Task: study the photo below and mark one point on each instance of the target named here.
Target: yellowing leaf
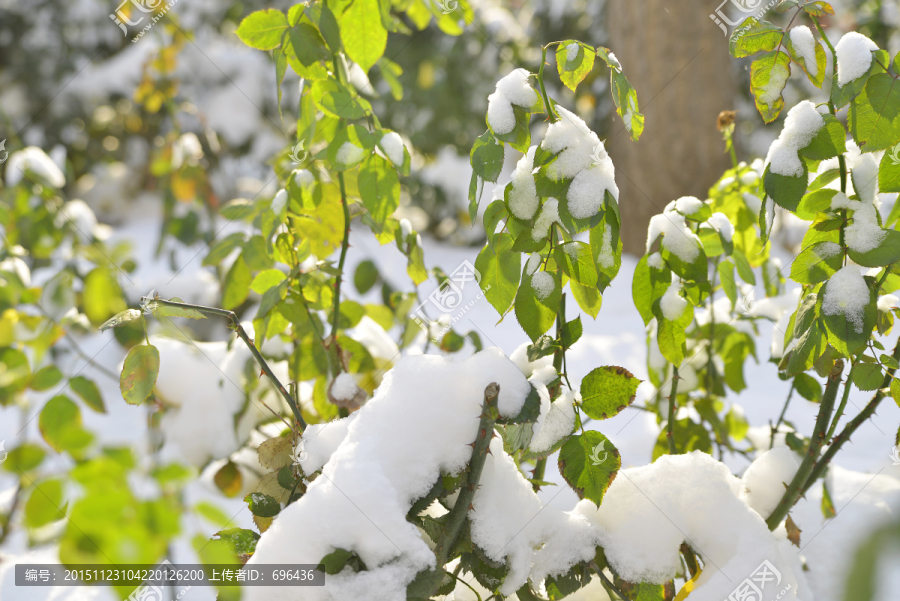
(139, 373)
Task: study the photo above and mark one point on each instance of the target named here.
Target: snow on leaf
(122, 318)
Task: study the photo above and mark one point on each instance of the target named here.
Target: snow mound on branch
(649, 511)
(678, 239)
(511, 90)
(854, 56)
(393, 147)
(418, 425)
(802, 124)
(672, 304)
(557, 419)
(766, 478)
(720, 223)
(35, 161)
(864, 234)
(847, 292)
(203, 383)
(523, 198)
(549, 215)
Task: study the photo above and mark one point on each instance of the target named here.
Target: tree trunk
(677, 59)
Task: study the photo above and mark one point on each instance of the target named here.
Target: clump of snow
(392, 144)
(649, 511)
(528, 368)
(688, 205)
(201, 382)
(17, 266)
(720, 223)
(826, 250)
(748, 178)
(372, 336)
(279, 203)
(672, 304)
(35, 161)
(655, 261)
(887, 302)
(79, 214)
(864, 173)
(678, 239)
(304, 178)
(582, 157)
(523, 198)
(805, 45)
(534, 261)
(854, 56)
(772, 91)
(847, 293)
(864, 234)
(752, 201)
(840, 201)
(766, 478)
(405, 228)
(349, 154)
(543, 284)
(511, 90)
(394, 450)
(802, 124)
(549, 215)
(344, 387)
(571, 52)
(556, 421)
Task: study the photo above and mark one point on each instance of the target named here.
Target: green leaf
(817, 201)
(334, 562)
(573, 72)
(263, 29)
(818, 62)
(88, 392)
(536, 316)
(24, 458)
(229, 479)
(607, 391)
(365, 276)
(487, 157)
(786, 191)
(102, 296)
(828, 142)
(225, 246)
(571, 332)
(236, 286)
(60, 425)
(139, 373)
(726, 277)
(305, 52)
(336, 99)
(843, 334)
(626, 100)
(759, 36)
(126, 316)
(363, 33)
(576, 262)
(588, 298)
(887, 252)
(805, 314)
(768, 76)
(867, 376)
(648, 286)
(875, 114)
(45, 378)
(819, 8)
(500, 270)
(808, 387)
(265, 280)
(243, 540)
(889, 171)
(379, 187)
(589, 462)
(262, 505)
(45, 505)
(817, 263)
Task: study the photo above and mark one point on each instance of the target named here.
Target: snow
(672, 304)
(573, 140)
(766, 478)
(549, 215)
(840, 201)
(511, 90)
(587, 191)
(854, 56)
(772, 91)
(748, 178)
(721, 223)
(543, 284)
(655, 261)
(17, 266)
(557, 421)
(688, 205)
(80, 215)
(864, 234)
(279, 203)
(304, 178)
(847, 293)
(887, 302)
(678, 239)
(393, 147)
(534, 261)
(523, 198)
(394, 450)
(344, 387)
(606, 257)
(826, 250)
(571, 52)
(805, 45)
(802, 124)
(864, 172)
(528, 368)
(32, 159)
(405, 228)
(349, 154)
(649, 511)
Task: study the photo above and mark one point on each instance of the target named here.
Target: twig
(777, 425)
(236, 324)
(606, 581)
(670, 426)
(457, 516)
(842, 406)
(815, 445)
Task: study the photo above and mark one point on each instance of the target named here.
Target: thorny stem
(480, 448)
(236, 325)
(815, 445)
(777, 425)
(549, 108)
(345, 244)
(606, 581)
(852, 426)
(670, 425)
(843, 405)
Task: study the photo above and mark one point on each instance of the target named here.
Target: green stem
(815, 445)
(550, 113)
(345, 244)
(842, 406)
(236, 325)
(852, 426)
(593, 565)
(841, 161)
(480, 448)
(670, 426)
(777, 425)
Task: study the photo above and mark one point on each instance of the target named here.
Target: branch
(457, 515)
(236, 324)
(670, 426)
(852, 426)
(606, 581)
(815, 445)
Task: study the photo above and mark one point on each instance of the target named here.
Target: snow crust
(543, 284)
(854, 56)
(672, 304)
(392, 144)
(802, 124)
(765, 480)
(523, 198)
(511, 90)
(847, 293)
(805, 45)
(678, 239)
